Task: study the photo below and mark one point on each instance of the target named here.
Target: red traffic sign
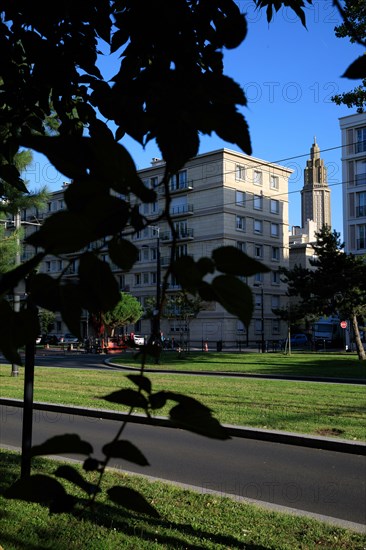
(343, 324)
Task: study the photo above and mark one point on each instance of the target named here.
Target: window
(275, 277)
(360, 204)
(240, 328)
(153, 278)
(361, 237)
(360, 140)
(144, 254)
(258, 251)
(240, 223)
(275, 206)
(181, 250)
(257, 177)
(275, 230)
(153, 182)
(258, 226)
(242, 246)
(240, 172)
(360, 172)
(275, 326)
(61, 204)
(137, 279)
(122, 282)
(240, 198)
(179, 181)
(275, 301)
(258, 278)
(145, 278)
(258, 300)
(275, 253)
(258, 202)
(274, 182)
(258, 325)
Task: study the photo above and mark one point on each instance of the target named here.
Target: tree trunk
(359, 345)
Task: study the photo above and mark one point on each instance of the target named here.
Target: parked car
(299, 340)
(138, 340)
(48, 339)
(69, 339)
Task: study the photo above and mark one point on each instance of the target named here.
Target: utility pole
(17, 289)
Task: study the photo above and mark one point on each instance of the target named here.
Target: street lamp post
(262, 321)
(263, 345)
(156, 313)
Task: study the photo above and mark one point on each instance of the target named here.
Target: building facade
(220, 198)
(353, 130)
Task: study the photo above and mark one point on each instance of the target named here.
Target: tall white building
(353, 128)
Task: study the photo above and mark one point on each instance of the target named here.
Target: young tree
(183, 308)
(46, 320)
(354, 28)
(336, 285)
(127, 311)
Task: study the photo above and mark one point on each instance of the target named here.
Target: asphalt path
(328, 485)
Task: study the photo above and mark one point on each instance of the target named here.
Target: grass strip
(301, 407)
(188, 520)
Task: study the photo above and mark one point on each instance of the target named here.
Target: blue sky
(289, 74)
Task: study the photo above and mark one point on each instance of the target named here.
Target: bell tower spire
(315, 195)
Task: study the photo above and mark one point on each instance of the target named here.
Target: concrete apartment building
(353, 129)
(220, 198)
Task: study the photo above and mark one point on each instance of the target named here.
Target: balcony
(182, 210)
(183, 186)
(182, 235)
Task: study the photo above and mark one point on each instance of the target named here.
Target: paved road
(314, 481)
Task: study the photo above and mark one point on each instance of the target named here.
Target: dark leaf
(8, 330)
(188, 274)
(123, 253)
(132, 500)
(59, 444)
(231, 260)
(131, 398)
(11, 175)
(71, 306)
(100, 291)
(45, 291)
(142, 382)
(70, 474)
(91, 464)
(357, 69)
(62, 232)
(158, 400)
(10, 279)
(70, 155)
(235, 296)
(126, 450)
(197, 421)
(37, 488)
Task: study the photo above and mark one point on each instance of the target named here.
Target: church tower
(315, 195)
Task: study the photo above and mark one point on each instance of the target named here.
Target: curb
(288, 438)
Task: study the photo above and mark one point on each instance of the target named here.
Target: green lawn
(301, 407)
(188, 520)
(331, 365)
